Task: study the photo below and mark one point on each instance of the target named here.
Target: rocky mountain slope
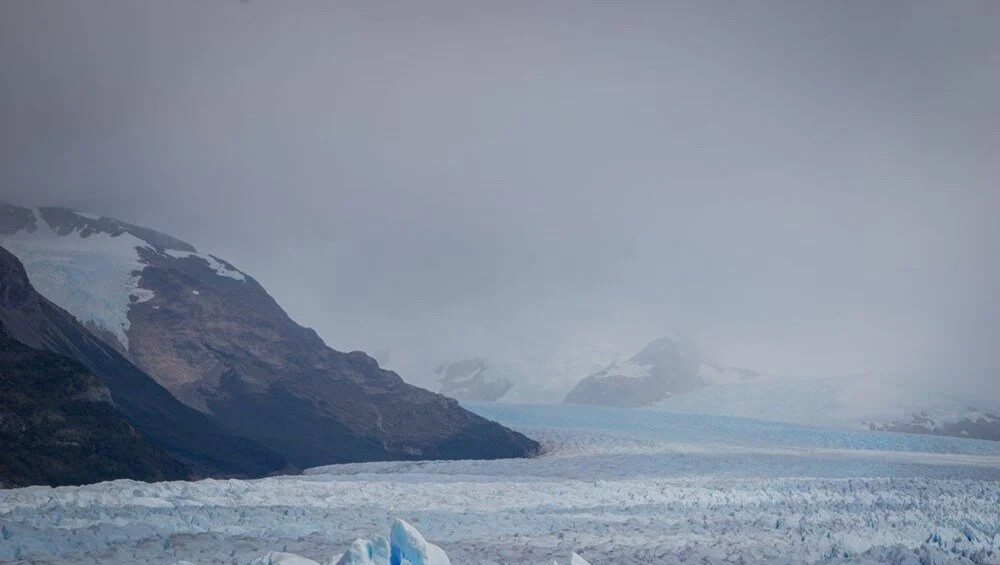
(214, 338)
(665, 367)
(470, 380)
(187, 434)
(59, 426)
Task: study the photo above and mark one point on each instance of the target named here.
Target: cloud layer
(805, 188)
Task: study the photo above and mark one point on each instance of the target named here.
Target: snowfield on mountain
(615, 486)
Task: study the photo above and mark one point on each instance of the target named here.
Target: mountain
(469, 380)
(665, 367)
(970, 423)
(660, 369)
(187, 434)
(212, 336)
(59, 426)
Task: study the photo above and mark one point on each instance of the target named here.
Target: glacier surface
(614, 486)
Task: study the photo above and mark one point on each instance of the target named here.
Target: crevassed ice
(281, 558)
(694, 488)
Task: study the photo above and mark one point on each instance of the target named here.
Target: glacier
(96, 278)
(613, 486)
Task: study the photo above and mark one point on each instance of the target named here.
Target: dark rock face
(469, 379)
(223, 345)
(659, 370)
(973, 425)
(58, 425)
(186, 434)
(216, 340)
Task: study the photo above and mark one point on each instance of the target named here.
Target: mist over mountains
(809, 199)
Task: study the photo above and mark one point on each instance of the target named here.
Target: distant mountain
(972, 424)
(187, 434)
(469, 379)
(59, 425)
(665, 367)
(213, 337)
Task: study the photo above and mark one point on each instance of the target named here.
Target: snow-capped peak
(92, 265)
(630, 369)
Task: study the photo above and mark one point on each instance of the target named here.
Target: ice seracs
(279, 558)
(366, 552)
(407, 545)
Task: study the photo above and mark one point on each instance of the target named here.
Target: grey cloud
(806, 187)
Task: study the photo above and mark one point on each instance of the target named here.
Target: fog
(804, 188)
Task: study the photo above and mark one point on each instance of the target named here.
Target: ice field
(615, 486)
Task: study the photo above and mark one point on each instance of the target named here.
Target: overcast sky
(803, 187)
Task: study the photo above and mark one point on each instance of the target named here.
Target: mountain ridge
(218, 341)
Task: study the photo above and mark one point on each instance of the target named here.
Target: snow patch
(219, 267)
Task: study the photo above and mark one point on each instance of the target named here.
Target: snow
(575, 559)
(213, 263)
(95, 278)
(615, 486)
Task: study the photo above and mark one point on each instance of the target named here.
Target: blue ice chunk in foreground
(407, 545)
(367, 552)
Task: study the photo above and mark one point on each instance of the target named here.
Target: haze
(805, 188)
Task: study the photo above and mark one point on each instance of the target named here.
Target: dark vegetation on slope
(58, 425)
